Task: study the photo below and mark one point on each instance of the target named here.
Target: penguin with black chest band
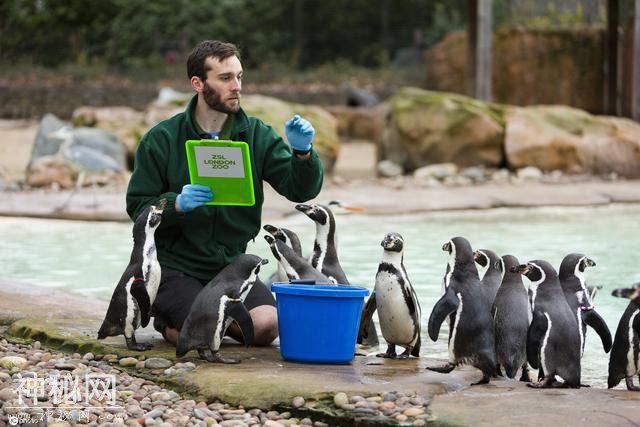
(396, 301)
(471, 339)
(294, 266)
(624, 361)
(218, 304)
(130, 305)
(290, 239)
(553, 340)
(511, 320)
(325, 253)
(578, 297)
(490, 281)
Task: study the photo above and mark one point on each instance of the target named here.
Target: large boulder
(572, 140)
(125, 122)
(61, 153)
(425, 127)
(360, 122)
(273, 112)
(276, 112)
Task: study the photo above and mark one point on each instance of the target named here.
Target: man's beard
(212, 98)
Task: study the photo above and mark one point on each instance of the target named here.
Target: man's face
(223, 85)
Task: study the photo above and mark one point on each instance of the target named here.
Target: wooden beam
(611, 106)
(483, 52)
(635, 100)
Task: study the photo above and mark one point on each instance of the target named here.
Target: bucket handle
(302, 282)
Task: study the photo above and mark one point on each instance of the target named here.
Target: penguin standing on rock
(624, 361)
(396, 301)
(578, 297)
(511, 320)
(490, 282)
(553, 340)
(218, 304)
(471, 339)
(130, 305)
(293, 265)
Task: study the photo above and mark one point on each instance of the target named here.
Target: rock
(389, 169)
(571, 140)
(340, 399)
(529, 173)
(425, 127)
(276, 112)
(419, 423)
(9, 362)
(36, 345)
(88, 356)
(439, 171)
(297, 402)
(52, 169)
(128, 361)
(160, 396)
(157, 363)
(413, 412)
(7, 394)
(271, 423)
(360, 122)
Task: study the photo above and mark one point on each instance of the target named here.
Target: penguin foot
(630, 386)
(525, 377)
(406, 353)
(443, 369)
(137, 346)
(390, 354)
(547, 382)
(215, 357)
(484, 380)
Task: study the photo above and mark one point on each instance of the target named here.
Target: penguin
(471, 339)
(292, 240)
(218, 304)
(295, 267)
(492, 277)
(578, 297)
(325, 254)
(130, 305)
(510, 313)
(624, 361)
(396, 301)
(553, 340)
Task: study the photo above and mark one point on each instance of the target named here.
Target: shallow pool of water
(88, 257)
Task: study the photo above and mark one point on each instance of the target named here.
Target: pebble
(9, 362)
(37, 345)
(340, 399)
(8, 394)
(298, 402)
(128, 361)
(157, 363)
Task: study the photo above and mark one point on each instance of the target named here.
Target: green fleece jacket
(203, 241)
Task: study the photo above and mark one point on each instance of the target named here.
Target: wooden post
(479, 17)
(635, 100)
(472, 45)
(611, 92)
(483, 59)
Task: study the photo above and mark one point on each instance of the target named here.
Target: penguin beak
(589, 262)
(264, 261)
(447, 247)
(622, 292)
(269, 239)
(303, 208)
(523, 269)
(161, 205)
(269, 228)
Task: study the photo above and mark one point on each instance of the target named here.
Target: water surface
(88, 257)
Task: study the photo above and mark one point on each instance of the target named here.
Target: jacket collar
(239, 125)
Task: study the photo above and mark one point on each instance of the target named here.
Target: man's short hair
(220, 50)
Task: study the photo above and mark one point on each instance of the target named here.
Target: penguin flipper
(534, 336)
(446, 305)
(593, 319)
(238, 312)
(366, 318)
(139, 292)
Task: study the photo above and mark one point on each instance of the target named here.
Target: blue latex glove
(299, 133)
(193, 196)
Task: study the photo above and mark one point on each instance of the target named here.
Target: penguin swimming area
(87, 258)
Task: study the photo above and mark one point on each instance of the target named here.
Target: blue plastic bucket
(317, 323)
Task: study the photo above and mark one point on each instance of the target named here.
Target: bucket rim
(335, 291)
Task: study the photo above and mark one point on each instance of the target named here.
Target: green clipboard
(223, 166)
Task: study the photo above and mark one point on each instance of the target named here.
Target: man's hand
(299, 134)
(192, 196)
